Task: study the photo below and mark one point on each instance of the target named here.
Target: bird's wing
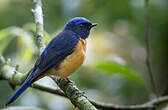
(55, 52)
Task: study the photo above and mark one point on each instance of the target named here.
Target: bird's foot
(69, 81)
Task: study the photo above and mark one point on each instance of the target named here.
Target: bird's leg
(64, 81)
(69, 81)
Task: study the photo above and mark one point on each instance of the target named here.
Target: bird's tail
(23, 87)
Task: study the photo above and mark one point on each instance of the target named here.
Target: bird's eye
(81, 25)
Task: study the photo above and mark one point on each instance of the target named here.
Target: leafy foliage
(111, 67)
(24, 43)
(105, 81)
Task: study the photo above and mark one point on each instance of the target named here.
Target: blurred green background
(114, 70)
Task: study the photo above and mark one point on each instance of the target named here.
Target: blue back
(56, 51)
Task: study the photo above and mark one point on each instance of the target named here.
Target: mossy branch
(38, 16)
(76, 96)
(80, 101)
(70, 91)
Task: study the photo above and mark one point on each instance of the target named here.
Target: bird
(63, 55)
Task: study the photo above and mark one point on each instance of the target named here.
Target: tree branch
(78, 100)
(76, 96)
(14, 77)
(69, 88)
(147, 40)
(38, 16)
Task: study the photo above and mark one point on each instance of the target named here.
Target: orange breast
(72, 62)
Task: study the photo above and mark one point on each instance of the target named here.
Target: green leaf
(4, 39)
(24, 42)
(47, 37)
(111, 67)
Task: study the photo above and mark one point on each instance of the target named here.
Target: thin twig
(18, 77)
(38, 16)
(76, 96)
(147, 40)
(6, 73)
(48, 89)
(77, 100)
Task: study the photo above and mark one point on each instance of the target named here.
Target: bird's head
(81, 26)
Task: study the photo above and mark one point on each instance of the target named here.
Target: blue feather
(45, 52)
(56, 51)
(23, 87)
(78, 20)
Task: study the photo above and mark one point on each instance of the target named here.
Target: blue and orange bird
(62, 56)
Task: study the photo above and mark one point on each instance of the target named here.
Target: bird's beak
(93, 25)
